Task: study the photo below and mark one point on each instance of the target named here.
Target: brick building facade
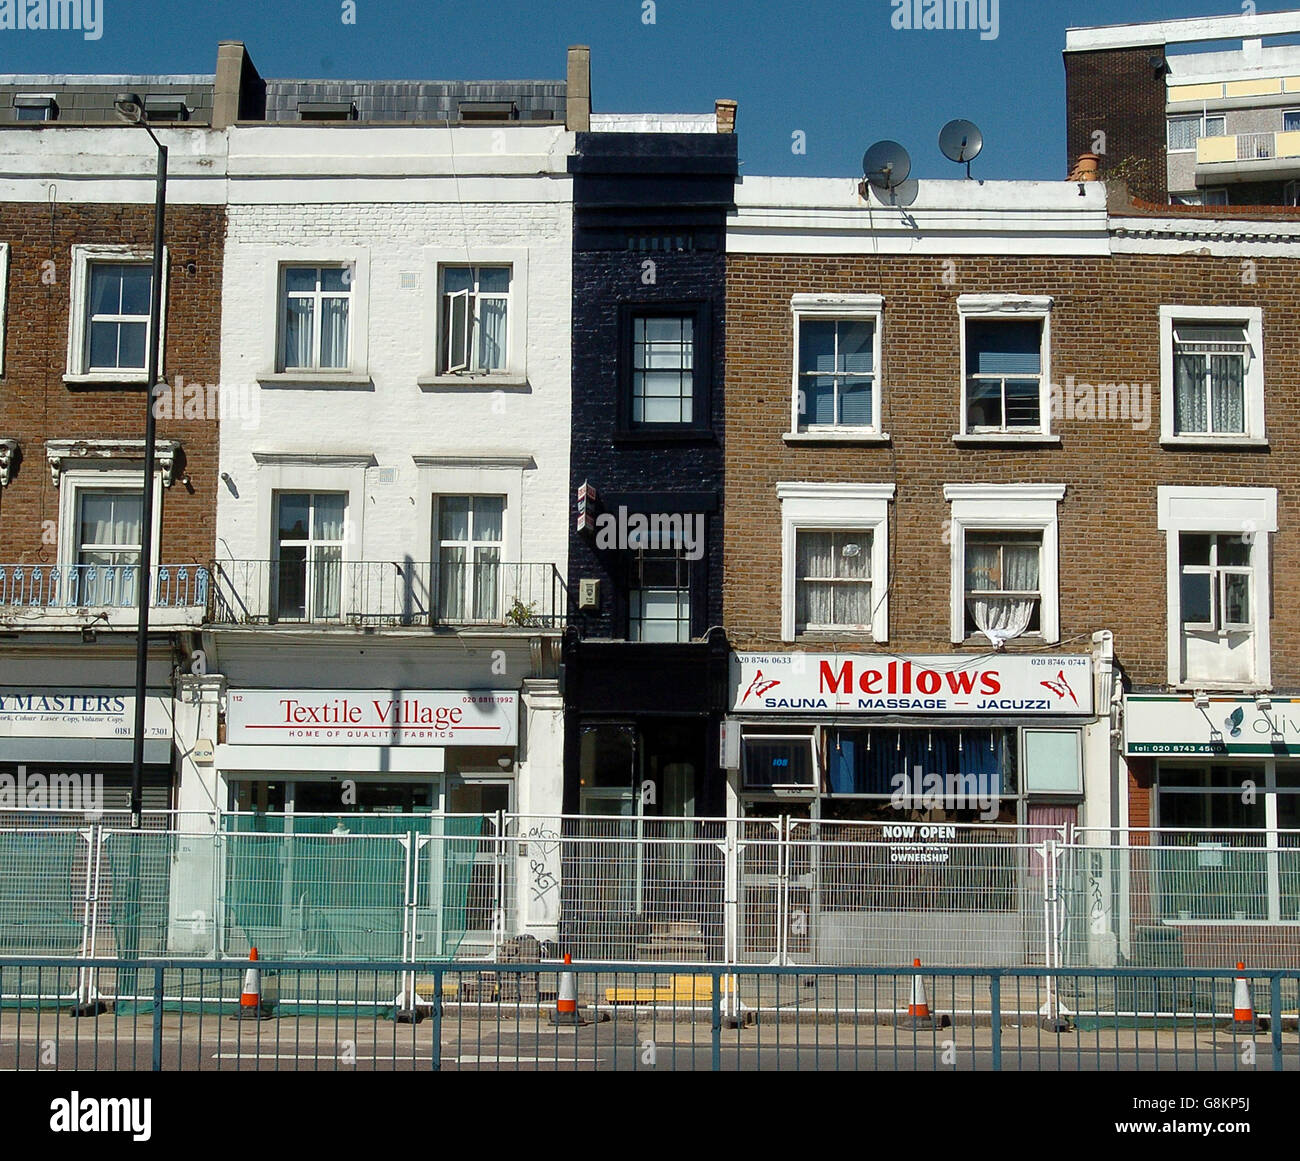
(78, 246)
(1108, 483)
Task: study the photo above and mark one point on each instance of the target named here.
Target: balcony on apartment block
(1240, 157)
(322, 590)
(81, 596)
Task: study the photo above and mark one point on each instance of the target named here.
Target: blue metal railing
(101, 586)
(173, 1014)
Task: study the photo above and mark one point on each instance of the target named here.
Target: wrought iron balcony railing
(325, 590)
(101, 586)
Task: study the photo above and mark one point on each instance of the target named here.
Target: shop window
(1053, 762)
(1003, 587)
(474, 320)
(1217, 562)
(770, 762)
(969, 771)
(308, 567)
(659, 595)
(1211, 375)
(1229, 847)
(470, 541)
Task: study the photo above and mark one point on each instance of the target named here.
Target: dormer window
(35, 107)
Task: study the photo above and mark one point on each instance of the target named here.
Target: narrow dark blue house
(645, 677)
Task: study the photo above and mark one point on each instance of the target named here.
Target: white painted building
(391, 525)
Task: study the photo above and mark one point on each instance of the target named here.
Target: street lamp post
(130, 108)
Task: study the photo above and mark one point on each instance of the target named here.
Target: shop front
(1215, 791)
(873, 737)
(370, 751)
(66, 751)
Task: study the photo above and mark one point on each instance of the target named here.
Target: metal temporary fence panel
(917, 895)
(329, 896)
(642, 889)
(1208, 905)
(45, 888)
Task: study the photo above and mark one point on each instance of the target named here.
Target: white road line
(446, 1059)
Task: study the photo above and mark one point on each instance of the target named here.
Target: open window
(1217, 567)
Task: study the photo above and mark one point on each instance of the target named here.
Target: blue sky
(834, 69)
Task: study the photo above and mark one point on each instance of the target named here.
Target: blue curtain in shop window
(856, 769)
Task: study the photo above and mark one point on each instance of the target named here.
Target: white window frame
(471, 319)
(839, 308)
(311, 615)
(1009, 308)
(83, 257)
(4, 302)
(317, 297)
(474, 542)
(1201, 119)
(832, 507)
(273, 260)
(1006, 508)
(515, 374)
(1225, 511)
(73, 481)
(1252, 319)
(1218, 575)
(311, 472)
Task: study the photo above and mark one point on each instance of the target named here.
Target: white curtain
(328, 558)
(334, 332)
(109, 544)
(492, 334)
(841, 564)
(297, 332)
(1228, 393)
(1189, 394)
(1009, 573)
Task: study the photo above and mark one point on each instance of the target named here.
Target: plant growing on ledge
(525, 616)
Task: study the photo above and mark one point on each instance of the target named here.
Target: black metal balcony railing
(101, 586)
(325, 591)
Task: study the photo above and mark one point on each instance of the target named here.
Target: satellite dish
(961, 141)
(886, 165)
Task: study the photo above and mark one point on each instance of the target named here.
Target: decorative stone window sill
(840, 435)
(1031, 438)
(345, 380)
(473, 383)
(1208, 443)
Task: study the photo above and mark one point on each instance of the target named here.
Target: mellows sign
(372, 717)
(877, 683)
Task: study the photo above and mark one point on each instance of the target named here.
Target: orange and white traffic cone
(250, 995)
(566, 1003)
(1243, 1011)
(918, 1008)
